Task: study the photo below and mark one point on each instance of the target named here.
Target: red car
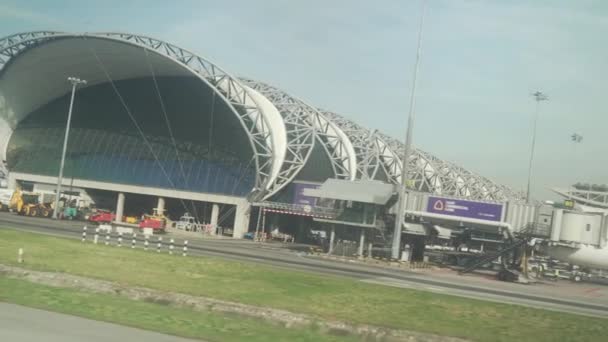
(102, 217)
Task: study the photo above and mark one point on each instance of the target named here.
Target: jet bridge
(507, 218)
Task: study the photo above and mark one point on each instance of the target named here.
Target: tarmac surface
(580, 298)
(21, 324)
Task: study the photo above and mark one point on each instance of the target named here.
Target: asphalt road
(574, 298)
(21, 324)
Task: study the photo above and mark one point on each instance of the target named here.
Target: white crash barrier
(124, 230)
(105, 228)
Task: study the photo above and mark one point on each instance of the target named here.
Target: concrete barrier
(105, 228)
(124, 230)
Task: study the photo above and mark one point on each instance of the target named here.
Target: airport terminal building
(159, 121)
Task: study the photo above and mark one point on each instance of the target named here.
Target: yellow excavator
(27, 204)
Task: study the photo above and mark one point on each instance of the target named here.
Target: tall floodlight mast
(75, 82)
(538, 97)
(407, 151)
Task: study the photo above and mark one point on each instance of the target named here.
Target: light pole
(407, 151)
(75, 82)
(538, 97)
(576, 139)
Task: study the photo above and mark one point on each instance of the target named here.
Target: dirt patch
(277, 316)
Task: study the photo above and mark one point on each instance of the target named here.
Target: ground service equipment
(157, 221)
(28, 204)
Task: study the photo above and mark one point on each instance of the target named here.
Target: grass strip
(209, 326)
(326, 297)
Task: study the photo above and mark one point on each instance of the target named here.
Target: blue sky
(480, 62)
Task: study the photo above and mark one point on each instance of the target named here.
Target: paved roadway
(21, 324)
(585, 299)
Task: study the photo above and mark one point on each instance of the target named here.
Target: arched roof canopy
(299, 132)
(34, 67)
(362, 141)
(422, 171)
(281, 130)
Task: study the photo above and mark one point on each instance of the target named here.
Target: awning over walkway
(364, 191)
(414, 228)
(443, 233)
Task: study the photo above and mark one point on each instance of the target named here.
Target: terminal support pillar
(361, 243)
(12, 181)
(215, 214)
(160, 207)
(332, 237)
(241, 220)
(120, 206)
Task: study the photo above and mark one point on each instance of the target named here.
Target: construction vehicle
(157, 221)
(28, 204)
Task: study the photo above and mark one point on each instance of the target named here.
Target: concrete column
(11, 182)
(264, 225)
(332, 237)
(370, 248)
(241, 220)
(120, 206)
(361, 243)
(301, 230)
(215, 214)
(160, 207)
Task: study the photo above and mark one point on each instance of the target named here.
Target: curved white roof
(277, 127)
(34, 67)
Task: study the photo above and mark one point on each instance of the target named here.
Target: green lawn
(169, 320)
(321, 296)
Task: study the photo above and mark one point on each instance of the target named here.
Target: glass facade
(213, 153)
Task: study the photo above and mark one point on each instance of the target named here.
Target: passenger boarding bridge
(580, 223)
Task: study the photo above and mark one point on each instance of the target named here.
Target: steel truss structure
(431, 174)
(366, 152)
(300, 133)
(355, 152)
(229, 88)
(589, 197)
(337, 145)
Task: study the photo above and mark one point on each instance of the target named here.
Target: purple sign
(300, 198)
(463, 208)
